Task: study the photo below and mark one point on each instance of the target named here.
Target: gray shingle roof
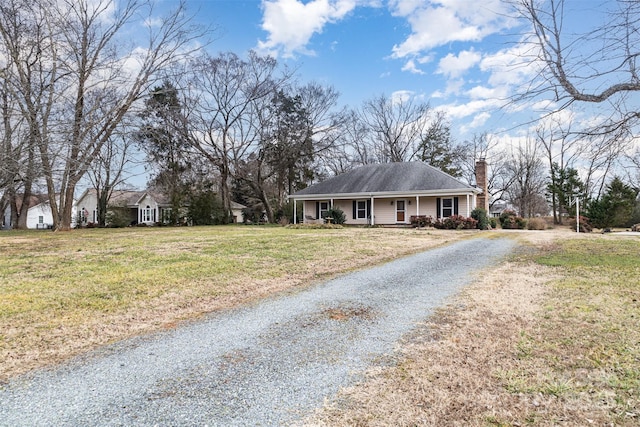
(406, 177)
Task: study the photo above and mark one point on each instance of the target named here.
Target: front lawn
(65, 293)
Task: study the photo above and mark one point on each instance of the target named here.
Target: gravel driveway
(266, 364)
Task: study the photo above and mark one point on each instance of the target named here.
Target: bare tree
(499, 179)
(527, 189)
(560, 147)
(26, 96)
(599, 66)
(356, 151)
(326, 126)
(438, 148)
(225, 90)
(396, 125)
(108, 171)
(89, 79)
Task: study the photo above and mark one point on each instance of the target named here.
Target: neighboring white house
(236, 211)
(39, 215)
(497, 208)
(141, 207)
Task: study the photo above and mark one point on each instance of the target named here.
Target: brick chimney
(481, 183)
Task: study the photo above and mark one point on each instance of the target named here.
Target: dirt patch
(344, 313)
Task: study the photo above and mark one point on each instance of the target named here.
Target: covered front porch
(386, 209)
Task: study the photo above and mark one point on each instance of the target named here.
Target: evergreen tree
(564, 188)
(165, 146)
(615, 208)
(438, 150)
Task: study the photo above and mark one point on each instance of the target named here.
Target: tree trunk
(66, 208)
(103, 199)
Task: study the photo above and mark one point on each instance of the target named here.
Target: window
(148, 214)
(361, 209)
(40, 219)
(447, 207)
(323, 209)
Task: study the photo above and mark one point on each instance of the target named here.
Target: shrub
(455, 222)
(337, 215)
(421, 221)
(493, 222)
(480, 215)
(537, 224)
(284, 220)
(253, 215)
(117, 217)
(584, 224)
(510, 220)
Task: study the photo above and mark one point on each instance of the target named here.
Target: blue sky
(450, 53)
(461, 56)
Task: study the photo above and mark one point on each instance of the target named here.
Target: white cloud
(545, 105)
(484, 92)
(438, 23)
(455, 66)
(479, 120)
(400, 96)
(410, 66)
(510, 66)
(473, 108)
(454, 87)
(292, 23)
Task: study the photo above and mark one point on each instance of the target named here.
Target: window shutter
(317, 210)
(369, 208)
(455, 206)
(438, 207)
(355, 208)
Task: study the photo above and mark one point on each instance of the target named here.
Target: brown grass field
(549, 337)
(62, 294)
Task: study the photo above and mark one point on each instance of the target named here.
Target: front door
(400, 211)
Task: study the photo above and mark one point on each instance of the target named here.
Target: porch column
(468, 211)
(372, 212)
(417, 205)
(295, 213)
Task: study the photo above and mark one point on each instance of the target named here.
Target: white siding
(348, 211)
(89, 203)
(384, 209)
(39, 211)
(153, 216)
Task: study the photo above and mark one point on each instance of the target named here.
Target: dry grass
(446, 373)
(546, 343)
(551, 337)
(64, 293)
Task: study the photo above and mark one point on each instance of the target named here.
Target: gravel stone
(270, 363)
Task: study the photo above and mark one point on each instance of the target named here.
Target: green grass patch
(587, 347)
